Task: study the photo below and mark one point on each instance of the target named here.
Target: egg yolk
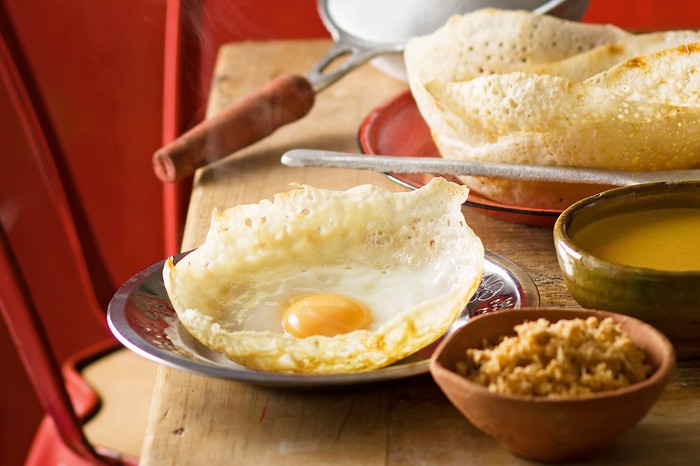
(324, 314)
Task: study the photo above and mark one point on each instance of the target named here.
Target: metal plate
(141, 317)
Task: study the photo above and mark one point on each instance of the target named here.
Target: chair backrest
(38, 212)
(48, 284)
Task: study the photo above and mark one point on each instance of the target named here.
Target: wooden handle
(283, 100)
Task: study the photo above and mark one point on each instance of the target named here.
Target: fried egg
(322, 281)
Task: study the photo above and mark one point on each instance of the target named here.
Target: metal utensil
(362, 30)
(397, 164)
(366, 29)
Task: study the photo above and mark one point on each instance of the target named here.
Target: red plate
(397, 128)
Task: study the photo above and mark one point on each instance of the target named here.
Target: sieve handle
(282, 101)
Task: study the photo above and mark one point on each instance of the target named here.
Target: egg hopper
(596, 97)
(141, 317)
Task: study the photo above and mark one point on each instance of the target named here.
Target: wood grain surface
(196, 420)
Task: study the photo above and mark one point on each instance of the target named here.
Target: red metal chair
(43, 296)
(41, 208)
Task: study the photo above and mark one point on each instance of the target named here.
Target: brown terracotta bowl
(669, 300)
(551, 429)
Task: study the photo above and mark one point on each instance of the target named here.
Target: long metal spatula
(440, 166)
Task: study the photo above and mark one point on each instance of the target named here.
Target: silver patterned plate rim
(141, 318)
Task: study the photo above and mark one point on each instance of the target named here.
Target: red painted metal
(98, 69)
(179, 60)
(55, 289)
(31, 340)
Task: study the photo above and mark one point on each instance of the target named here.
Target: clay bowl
(669, 300)
(547, 429)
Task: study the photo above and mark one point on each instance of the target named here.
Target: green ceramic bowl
(668, 300)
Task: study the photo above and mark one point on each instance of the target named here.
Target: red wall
(99, 65)
(641, 15)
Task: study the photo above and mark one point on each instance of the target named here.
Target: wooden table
(196, 420)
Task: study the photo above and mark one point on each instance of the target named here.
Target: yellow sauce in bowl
(665, 239)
